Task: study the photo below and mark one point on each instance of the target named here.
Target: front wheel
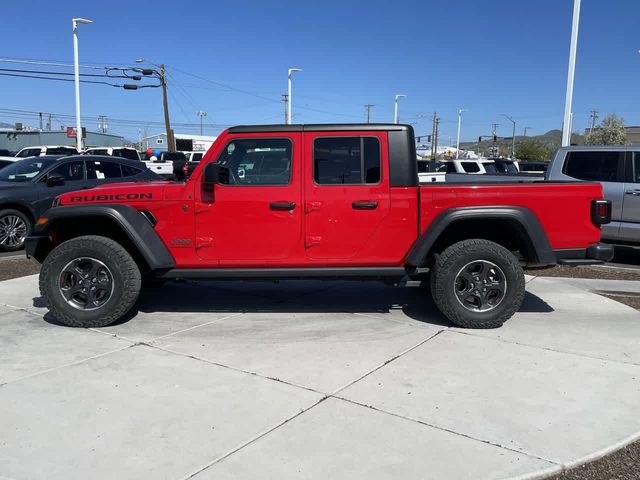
(15, 226)
(477, 284)
(89, 281)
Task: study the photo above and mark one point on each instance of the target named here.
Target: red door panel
(256, 218)
(346, 193)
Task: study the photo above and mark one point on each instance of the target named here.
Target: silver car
(618, 170)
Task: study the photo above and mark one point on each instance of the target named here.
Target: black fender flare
(136, 226)
(525, 220)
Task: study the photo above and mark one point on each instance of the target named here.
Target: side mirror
(215, 173)
(55, 180)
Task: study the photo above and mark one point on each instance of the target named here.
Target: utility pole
(201, 114)
(102, 123)
(285, 99)
(171, 144)
(566, 126)
(162, 76)
(594, 116)
(369, 106)
(40, 120)
(434, 136)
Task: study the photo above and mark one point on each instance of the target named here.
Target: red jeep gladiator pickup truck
(314, 201)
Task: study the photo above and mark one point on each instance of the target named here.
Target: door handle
(282, 205)
(364, 205)
(633, 192)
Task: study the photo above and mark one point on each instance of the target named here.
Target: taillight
(600, 211)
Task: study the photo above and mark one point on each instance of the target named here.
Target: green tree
(610, 132)
(532, 150)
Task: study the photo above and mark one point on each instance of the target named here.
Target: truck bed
(563, 208)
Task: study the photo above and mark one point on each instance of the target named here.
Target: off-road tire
(453, 259)
(27, 221)
(126, 281)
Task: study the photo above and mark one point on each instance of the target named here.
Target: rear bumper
(593, 255)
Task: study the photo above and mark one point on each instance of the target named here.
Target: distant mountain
(551, 139)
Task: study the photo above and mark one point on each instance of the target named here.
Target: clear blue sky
(490, 57)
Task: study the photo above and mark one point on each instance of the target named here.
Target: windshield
(24, 170)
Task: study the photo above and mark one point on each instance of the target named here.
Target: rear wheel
(477, 284)
(14, 228)
(89, 281)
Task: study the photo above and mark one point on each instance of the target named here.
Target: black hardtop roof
(320, 127)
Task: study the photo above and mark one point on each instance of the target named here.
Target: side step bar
(286, 273)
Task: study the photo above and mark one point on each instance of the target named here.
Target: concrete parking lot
(314, 380)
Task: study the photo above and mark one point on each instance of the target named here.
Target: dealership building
(184, 142)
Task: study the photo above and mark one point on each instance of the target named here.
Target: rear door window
(101, 170)
(346, 161)
(598, 166)
(470, 167)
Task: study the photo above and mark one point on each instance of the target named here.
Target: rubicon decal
(111, 198)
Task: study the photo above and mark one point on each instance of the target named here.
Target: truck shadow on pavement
(295, 297)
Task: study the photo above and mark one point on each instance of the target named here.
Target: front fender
(135, 226)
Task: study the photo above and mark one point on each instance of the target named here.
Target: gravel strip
(14, 267)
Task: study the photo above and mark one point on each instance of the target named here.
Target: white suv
(122, 152)
(39, 150)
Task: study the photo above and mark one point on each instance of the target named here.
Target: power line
(52, 63)
(49, 72)
(39, 77)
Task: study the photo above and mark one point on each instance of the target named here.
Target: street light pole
(460, 112)
(289, 98)
(525, 130)
(566, 125)
(395, 109)
(76, 69)
(201, 114)
(513, 138)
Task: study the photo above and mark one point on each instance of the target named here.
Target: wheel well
(511, 234)
(66, 229)
(21, 208)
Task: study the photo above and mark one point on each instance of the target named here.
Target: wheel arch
(21, 207)
(122, 223)
(516, 228)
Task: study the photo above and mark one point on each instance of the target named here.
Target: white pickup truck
(161, 167)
